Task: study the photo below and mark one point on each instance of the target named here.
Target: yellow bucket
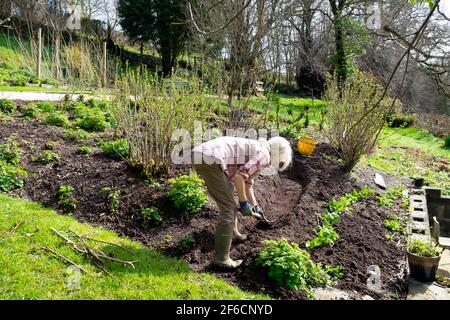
(306, 146)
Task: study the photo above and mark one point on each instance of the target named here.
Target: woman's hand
(246, 208)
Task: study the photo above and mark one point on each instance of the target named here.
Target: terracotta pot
(423, 268)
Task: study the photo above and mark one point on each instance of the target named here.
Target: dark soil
(291, 201)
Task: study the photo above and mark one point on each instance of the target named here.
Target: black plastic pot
(418, 182)
(423, 268)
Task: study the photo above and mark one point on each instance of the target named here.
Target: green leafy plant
(424, 248)
(66, 202)
(57, 119)
(158, 186)
(77, 135)
(46, 157)
(325, 236)
(150, 216)
(335, 272)
(291, 266)
(394, 224)
(7, 106)
(187, 241)
(113, 198)
(31, 111)
(11, 177)
(85, 149)
(10, 152)
(388, 199)
(186, 193)
(116, 149)
(93, 120)
(47, 107)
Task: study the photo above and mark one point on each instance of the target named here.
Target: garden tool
(222, 244)
(258, 213)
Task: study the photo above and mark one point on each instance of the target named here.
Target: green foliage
(46, 157)
(150, 216)
(77, 135)
(424, 248)
(10, 152)
(399, 120)
(158, 186)
(186, 193)
(11, 177)
(291, 266)
(85, 149)
(57, 119)
(93, 119)
(187, 241)
(113, 198)
(388, 199)
(155, 21)
(21, 78)
(66, 202)
(115, 149)
(31, 111)
(7, 106)
(447, 142)
(394, 224)
(48, 107)
(326, 235)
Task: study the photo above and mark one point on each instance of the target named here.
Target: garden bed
(292, 201)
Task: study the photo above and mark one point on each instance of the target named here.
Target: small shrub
(7, 106)
(399, 120)
(424, 248)
(46, 157)
(66, 202)
(447, 142)
(31, 111)
(116, 149)
(353, 118)
(150, 216)
(85, 150)
(57, 119)
(77, 135)
(10, 152)
(18, 79)
(186, 193)
(291, 266)
(187, 241)
(47, 107)
(11, 177)
(394, 225)
(93, 120)
(325, 236)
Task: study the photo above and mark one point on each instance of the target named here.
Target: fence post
(104, 67)
(39, 54)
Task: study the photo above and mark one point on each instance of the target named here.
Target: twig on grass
(73, 244)
(110, 243)
(67, 260)
(16, 227)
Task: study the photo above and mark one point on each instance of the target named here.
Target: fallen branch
(16, 227)
(73, 244)
(67, 260)
(107, 242)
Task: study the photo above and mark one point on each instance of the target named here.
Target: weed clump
(57, 119)
(150, 216)
(116, 149)
(7, 106)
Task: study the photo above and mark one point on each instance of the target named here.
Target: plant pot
(423, 268)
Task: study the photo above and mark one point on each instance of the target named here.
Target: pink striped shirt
(238, 155)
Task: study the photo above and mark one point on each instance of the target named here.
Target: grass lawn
(29, 272)
(413, 152)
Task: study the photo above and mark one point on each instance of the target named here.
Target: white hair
(280, 153)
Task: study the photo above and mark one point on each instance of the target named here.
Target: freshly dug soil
(291, 200)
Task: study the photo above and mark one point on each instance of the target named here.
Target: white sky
(445, 6)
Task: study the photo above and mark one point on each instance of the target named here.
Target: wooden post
(104, 73)
(39, 54)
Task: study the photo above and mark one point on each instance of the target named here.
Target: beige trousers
(220, 188)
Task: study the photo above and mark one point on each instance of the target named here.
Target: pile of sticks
(79, 244)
